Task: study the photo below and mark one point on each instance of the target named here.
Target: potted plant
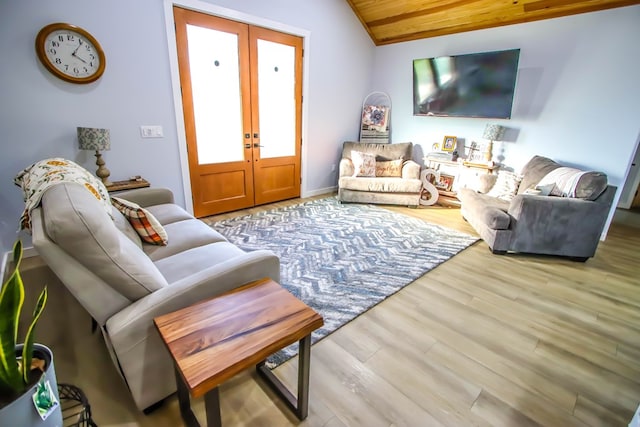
(28, 388)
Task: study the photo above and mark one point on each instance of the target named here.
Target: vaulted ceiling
(393, 21)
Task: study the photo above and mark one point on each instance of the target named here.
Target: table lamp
(96, 139)
(492, 133)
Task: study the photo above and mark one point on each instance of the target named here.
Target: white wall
(577, 94)
(39, 113)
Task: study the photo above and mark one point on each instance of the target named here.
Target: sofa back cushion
(590, 184)
(383, 152)
(76, 222)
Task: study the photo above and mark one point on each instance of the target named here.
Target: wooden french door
(242, 101)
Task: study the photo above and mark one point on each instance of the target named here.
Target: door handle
(247, 145)
(257, 144)
(256, 135)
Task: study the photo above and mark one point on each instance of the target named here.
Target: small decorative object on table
(445, 182)
(449, 143)
(492, 133)
(96, 139)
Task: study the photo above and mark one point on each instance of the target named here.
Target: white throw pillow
(506, 185)
(364, 164)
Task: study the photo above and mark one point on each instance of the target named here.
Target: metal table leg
(211, 405)
(299, 405)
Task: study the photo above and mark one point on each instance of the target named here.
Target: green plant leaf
(11, 300)
(27, 350)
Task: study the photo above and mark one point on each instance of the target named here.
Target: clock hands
(76, 56)
(74, 52)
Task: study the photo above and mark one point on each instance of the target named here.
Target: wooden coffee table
(214, 340)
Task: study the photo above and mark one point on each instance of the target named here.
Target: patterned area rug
(341, 260)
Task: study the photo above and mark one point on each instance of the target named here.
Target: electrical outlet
(151, 131)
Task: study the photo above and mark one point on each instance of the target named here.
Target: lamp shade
(93, 139)
(493, 132)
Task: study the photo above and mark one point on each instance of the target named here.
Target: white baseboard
(319, 191)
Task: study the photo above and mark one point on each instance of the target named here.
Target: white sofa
(403, 189)
(124, 283)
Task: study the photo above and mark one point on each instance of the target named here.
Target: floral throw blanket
(38, 177)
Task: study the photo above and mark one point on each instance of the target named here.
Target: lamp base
(488, 155)
(102, 172)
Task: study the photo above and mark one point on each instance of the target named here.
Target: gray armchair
(124, 283)
(387, 186)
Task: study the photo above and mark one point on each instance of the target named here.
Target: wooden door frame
(235, 15)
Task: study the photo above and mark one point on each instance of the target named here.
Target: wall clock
(70, 53)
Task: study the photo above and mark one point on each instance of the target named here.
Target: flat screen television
(472, 85)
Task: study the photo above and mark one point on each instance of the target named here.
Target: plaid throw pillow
(145, 224)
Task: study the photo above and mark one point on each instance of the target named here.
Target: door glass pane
(215, 83)
(276, 94)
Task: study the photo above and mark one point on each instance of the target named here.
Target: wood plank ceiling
(393, 21)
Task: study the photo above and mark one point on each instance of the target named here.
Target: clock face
(70, 53)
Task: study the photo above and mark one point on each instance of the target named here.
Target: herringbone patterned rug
(341, 260)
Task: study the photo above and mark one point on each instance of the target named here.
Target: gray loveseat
(542, 224)
(396, 186)
(124, 283)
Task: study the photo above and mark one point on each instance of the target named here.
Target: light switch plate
(151, 131)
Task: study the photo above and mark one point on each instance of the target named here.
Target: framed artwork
(449, 143)
(445, 182)
(476, 153)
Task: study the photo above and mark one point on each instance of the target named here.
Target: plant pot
(21, 412)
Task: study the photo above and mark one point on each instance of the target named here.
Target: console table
(462, 171)
(129, 184)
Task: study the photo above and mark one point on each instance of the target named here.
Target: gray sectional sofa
(532, 222)
(124, 283)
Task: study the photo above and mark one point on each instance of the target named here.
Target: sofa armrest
(135, 322)
(346, 167)
(556, 225)
(411, 170)
(147, 196)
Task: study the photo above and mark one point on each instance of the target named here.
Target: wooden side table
(127, 185)
(216, 339)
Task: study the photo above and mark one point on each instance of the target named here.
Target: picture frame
(444, 182)
(476, 153)
(449, 143)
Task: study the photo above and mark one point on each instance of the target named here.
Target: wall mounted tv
(472, 85)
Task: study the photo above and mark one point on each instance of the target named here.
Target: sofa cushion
(534, 171)
(125, 227)
(142, 221)
(381, 185)
(590, 185)
(364, 164)
(184, 235)
(168, 213)
(193, 261)
(389, 168)
(491, 211)
(74, 219)
(571, 182)
(381, 151)
(506, 185)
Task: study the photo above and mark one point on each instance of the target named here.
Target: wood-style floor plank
(481, 340)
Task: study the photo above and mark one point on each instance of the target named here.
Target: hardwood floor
(481, 340)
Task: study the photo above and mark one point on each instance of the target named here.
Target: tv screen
(473, 85)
